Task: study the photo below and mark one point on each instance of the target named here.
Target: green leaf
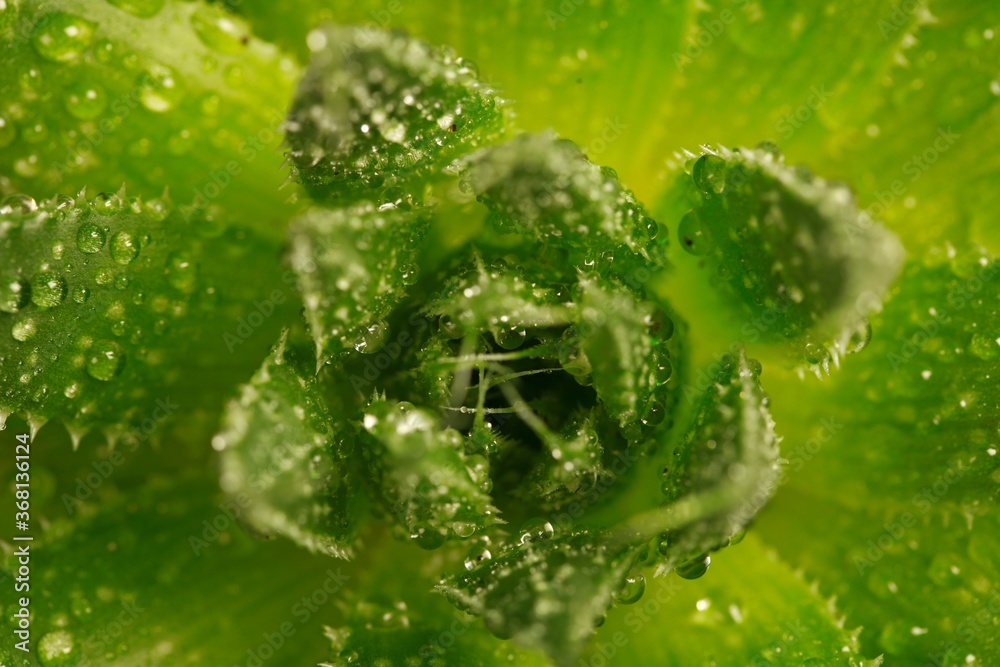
(790, 249)
(433, 489)
(627, 345)
(104, 301)
(543, 591)
(377, 111)
(289, 460)
(897, 459)
(151, 93)
(396, 619)
(751, 611)
(720, 475)
(180, 583)
(545, 189)
(924, 391)
(354, 266)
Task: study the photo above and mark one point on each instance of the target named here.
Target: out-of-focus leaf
(293, 464)
(111, 308)
(155, 94)
(377, 114)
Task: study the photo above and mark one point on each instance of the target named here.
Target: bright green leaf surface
(545, 592)
(103, 301)
(788, 249)
(156, 94)
(378, 111)
(751, 610)
(431, 487)
(293, 465)
(178, 583)
(353, 267)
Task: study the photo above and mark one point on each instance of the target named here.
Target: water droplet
(463, 529)
(85, 101)
(90, 238)
(47, 290)
(156, 210)
(654, 414)
(477, 555)
(124, 248)
(160, 89)
(632, 589)
(535, 530)
(14, 295)
(450, 328)
(24, 330)
(771, 149)
(664, 369)
(510, 338)
(61, 37)
(140, 8)
(694, 568)
(859, 338)
(427, 537)
(816, 353)
(985, 347)
(571, 357)
(692, 234)
(408, 273)
(55, 648)
(18, 205)
(709, 174)
(370, 340)
(105, 360)
(945, 570)
(181, 272)
(218, 31)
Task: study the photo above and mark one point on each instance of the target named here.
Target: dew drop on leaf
(692, 234)
(160, 89)
(141, 8)
(709, 174)
(18, 204)
(632, 589)
(124, 248)
(47, 290)
(61, 37)
(24, 330)
(55, 649)
(104, 360)
(694, 568)
(90, 238)
(86, 101)
(14, 295)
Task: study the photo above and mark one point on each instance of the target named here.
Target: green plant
(476, 390)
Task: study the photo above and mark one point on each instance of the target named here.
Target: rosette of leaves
(508, 403)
